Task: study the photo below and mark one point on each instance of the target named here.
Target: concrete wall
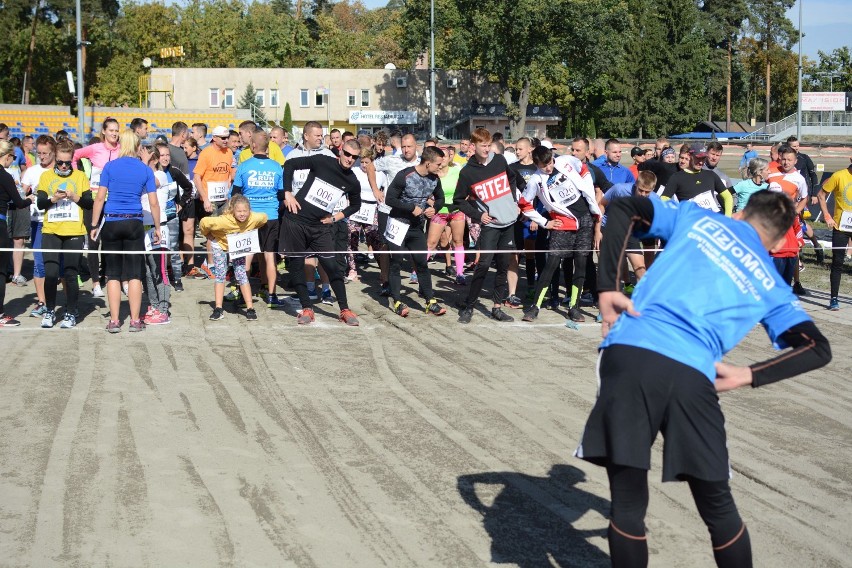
(192, 88)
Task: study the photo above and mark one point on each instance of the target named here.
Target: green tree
(248, 101)
(775, 34)
(723, 21)
(287, 121)
(838, 63)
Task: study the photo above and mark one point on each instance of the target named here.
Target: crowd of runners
(730, 259)
(469, 208)
(301, 206)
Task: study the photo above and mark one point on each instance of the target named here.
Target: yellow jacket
(220, 227)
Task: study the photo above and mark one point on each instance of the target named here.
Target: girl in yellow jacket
(235, 231)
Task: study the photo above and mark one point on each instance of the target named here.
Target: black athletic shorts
(123, 235)
(300, 237)
(18, 221)
(642, 393)
(268, 235)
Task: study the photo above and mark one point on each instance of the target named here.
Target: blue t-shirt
(127, 180)
(620, 190)
(286, 149)
(706, 291)
(20, 158)
(260, 180)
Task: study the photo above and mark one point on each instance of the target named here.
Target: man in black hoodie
(486, 192)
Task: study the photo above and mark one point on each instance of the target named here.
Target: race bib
(396, 231)
(63, 210)
(95, 181)
(564, 195)
(366, 215)
(323, 195)
(164, 239)
(217, 190)
(846, 221)
(341, 205)
(706, 200)
(243, 244)
(299, 179)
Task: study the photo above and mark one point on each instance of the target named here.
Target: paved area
(416, 442)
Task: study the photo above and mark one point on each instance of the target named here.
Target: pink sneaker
(148, 314)
(157, 318)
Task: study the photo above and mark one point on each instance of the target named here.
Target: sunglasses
(64, 163)
(349, 155)
(221, 137)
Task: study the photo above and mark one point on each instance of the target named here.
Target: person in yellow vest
(63, 193)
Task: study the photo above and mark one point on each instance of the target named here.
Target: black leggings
(838, 239)
(414, 242)
(296, 269)
(93, 259)
(628, 546)
(5, 259)
(74, 246)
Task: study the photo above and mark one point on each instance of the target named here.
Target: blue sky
(827, 24)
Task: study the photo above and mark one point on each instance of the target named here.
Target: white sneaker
(97, 291)
(69, 322)
(19, 280)
(48, 320)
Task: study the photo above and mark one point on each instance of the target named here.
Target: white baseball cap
(547, 144)
(220, 131)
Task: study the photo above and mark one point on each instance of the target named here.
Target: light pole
(432, 72)
(799, 105)
(81, 99)
(326, 91)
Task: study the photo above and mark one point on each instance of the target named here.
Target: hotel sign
(383, 117)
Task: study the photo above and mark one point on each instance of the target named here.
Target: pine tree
(248, 101)
(287, 121)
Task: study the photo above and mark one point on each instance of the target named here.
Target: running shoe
(218, 314)
(125, 288)
(177, 285)
(97, 291)
(799, 290)
(233, 295)
(513, 302)
(19, 280)
(449, 272)
(194, 273)
(206, 274)
(348, 317)
(413, 278)
(371, 256)
(273, 301)
(834, 304)
(434, 308)
(465, 315)
(400, 309)
(470, 267)
(39, 310)
(384, 290)
(69, 321)
(8, 321)
(820, 254)
(574, 314)
(251, 315)
(312, 295)
(461, 280)
(281, 266)
(553, 303)
(136, 325)
(149, 313)
(599, 318)
(353, 275)
(326, 297)
(801, 265)
(305, 317)
(587, 299)
(48, 320)
(500, 315)
(113, 326)
(530, 314)
(158, 318)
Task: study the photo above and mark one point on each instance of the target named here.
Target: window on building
(303, 97)
(229, 97)
(365, 97)
(350, 98)
(259, 96)
(321, 98)
(214, 98)
(273, 97)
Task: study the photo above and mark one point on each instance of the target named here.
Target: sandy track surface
(403, 442)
